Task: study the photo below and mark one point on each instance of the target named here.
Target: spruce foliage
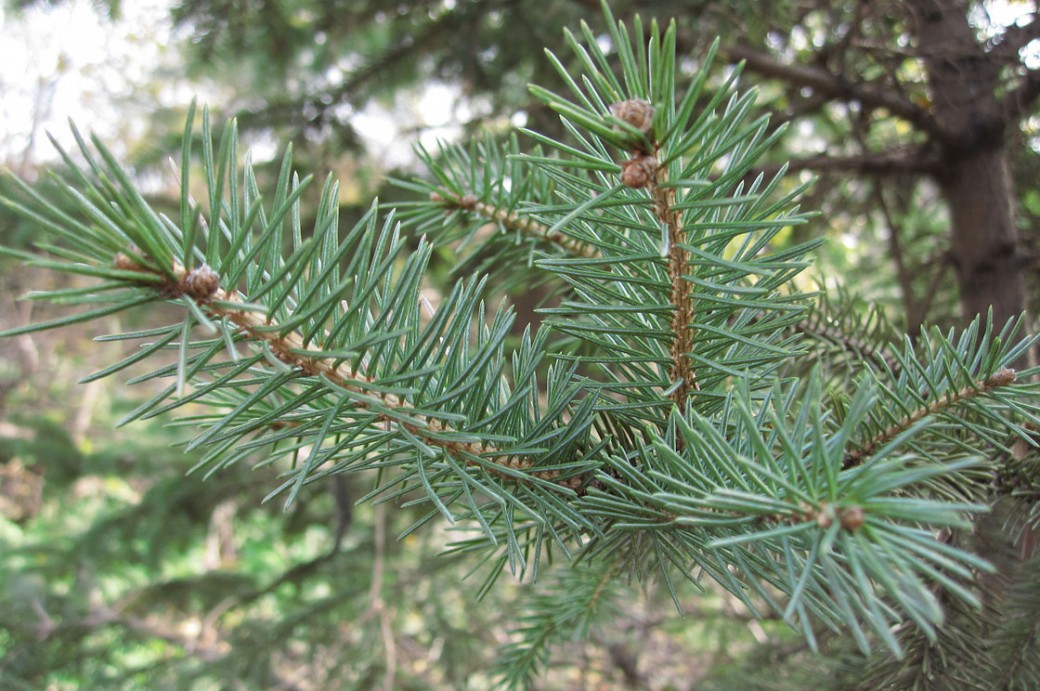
(686, 410)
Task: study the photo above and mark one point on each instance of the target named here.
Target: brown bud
(436, 198)
(637, 172)
(468, 201)
(201, 283)
(636, 112)
(1005, 376)
(852, 518)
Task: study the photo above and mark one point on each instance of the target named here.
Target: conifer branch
(202, 285)
(514, 221)
(1005, 376)
(815, 326)
(860, 335)
(592, 594)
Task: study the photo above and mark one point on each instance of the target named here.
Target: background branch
(836, 86)
(881, 164)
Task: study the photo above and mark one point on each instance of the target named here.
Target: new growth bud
(636, 112)
(852, 518)
(201, 283)
(1005, 376)
(638, 171)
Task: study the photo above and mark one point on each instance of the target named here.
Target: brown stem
(872, 163)
(682, 293)
(904, 277)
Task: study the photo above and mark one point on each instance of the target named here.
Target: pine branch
(992, 646)
(1005, 376)
(774, 494)
(1018, 487)
(480, 200)
(643, 170)
(635, 306)
(858, 337)
(591, 597)
(1017, 641)
(778, 481)
(202, 286)
(965, 382)
(513, 221)
(345, 373)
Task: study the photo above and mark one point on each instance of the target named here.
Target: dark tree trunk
(984, 241)
(975, 181)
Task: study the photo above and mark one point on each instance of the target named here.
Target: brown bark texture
(973, 170)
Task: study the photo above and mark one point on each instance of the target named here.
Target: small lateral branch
(515, 221)
(202, 284)
(817, 328)
(1005, 376)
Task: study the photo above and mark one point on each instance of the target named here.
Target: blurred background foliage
(121, 569)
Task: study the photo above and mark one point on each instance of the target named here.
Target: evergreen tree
(688, 409)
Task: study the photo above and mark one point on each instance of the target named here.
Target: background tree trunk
(974, 176)
(984, 239)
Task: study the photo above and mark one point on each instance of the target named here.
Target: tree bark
(984, 240)
(974, 177)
